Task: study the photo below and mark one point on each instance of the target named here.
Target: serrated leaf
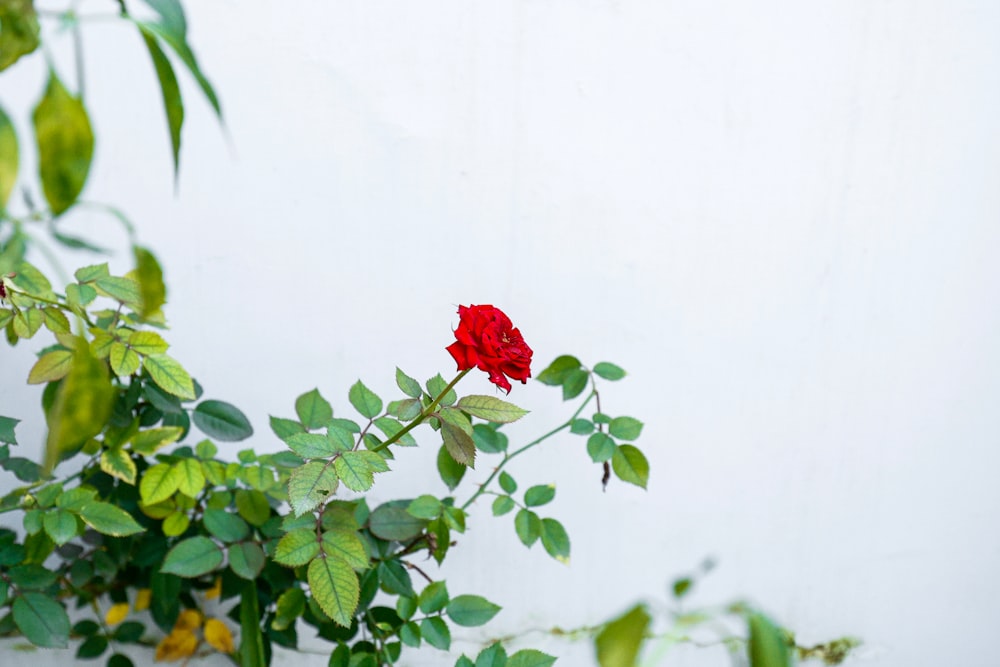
(489, 440)
(108, 519)
(158, 483)
(192, 557)
(364, 400)
(65, 145)
(147, 342)
(625, 428)
(459, 444)
(27, 322)
(436, 632)
(471, 610)
(246, 560)
(253, 506)
(170, 376)
(222, 421)
(51, 366)
(619, 642)
(408, 385)
(190, 477)
(608, 371)
(60, 525)
(353, 471)
(41, 620)
(574, 383)
(493, 655)
(56, 321)
(555, 540)
(224, 525)
(123, 290)
(7, 425)
(297, 547)
(394, 524)
(310, 484)
(345, 544)
(450, 470)
(285, 428)
(433, 598)
(556, 372)
(335, 587)
(425, 507)
(312, 445)
(313, 410)
(630, 465)
(149, 441)
(124, 360)
(539, 495)
(491, 409)
(117, 463)
(529, 657)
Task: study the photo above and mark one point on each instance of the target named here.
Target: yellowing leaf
(142, 599)
(218, 636)
(65, 145)
(178, 645)
(116, 614)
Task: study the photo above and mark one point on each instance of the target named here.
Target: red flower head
(486, 339)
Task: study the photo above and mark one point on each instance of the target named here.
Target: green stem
(424, 414)
(533, 443)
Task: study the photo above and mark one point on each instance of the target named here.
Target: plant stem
(424, 414)
(533, 443)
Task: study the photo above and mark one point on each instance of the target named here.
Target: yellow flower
(142, 598)
(116, 614)
(218, 636)
(215, 591)
(177, 645)
(189, 620)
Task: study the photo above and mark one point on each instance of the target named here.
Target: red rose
(486, 339)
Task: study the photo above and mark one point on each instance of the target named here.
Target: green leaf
(123, 290)
(436, 385)
(390, 427)
(149, 276)
(619, 642)
(353, 471)
(528, 526)
(436, 633)
(60, 525)
(575, 383)
(222, 421)
(502, 505)
(394, 578)
(555, 540)
(345, 544)
(173, 104)
(507, 482)
(539, 495)
(253, 506)
(450, 470)
(7, 425)
(630, 465)
(285, 428)
(459, 444)
(471, 610)
(19, 24)
(80, 295)
(312, 445)
(108, 519)
(491, 409)
(246, 560)
(310, 484)
(117, 463)
(625, 428)
(557, 371)
(120, 660)
(407, 385)
(224, 525)
(124, 360)
(335, 587)
(313, 410)
(65, 145)
(364, 400)
(41, 620)
(147, 342)
(175, 524)
(32, 281)
(767, 646)
(51, 366)
(433, 598)
(148, 441)
(92, 647)
(465, 662)
(601, 447)
(529, 657)
(297, 547)
(158, 483)
(9, 156)
(394, 524)
(425, 507)
(291, 605)
(493, 655)
(192, 557)
(170, 376)
(581, 427)
(56, 321)
(608, 371)
(27, 322)
(88, 274)
(489, 440)
(190, 477)
(81, 407)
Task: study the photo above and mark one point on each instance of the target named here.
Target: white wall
(780, 217)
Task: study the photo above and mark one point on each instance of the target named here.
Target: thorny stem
(424, 414)
(533, 443)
